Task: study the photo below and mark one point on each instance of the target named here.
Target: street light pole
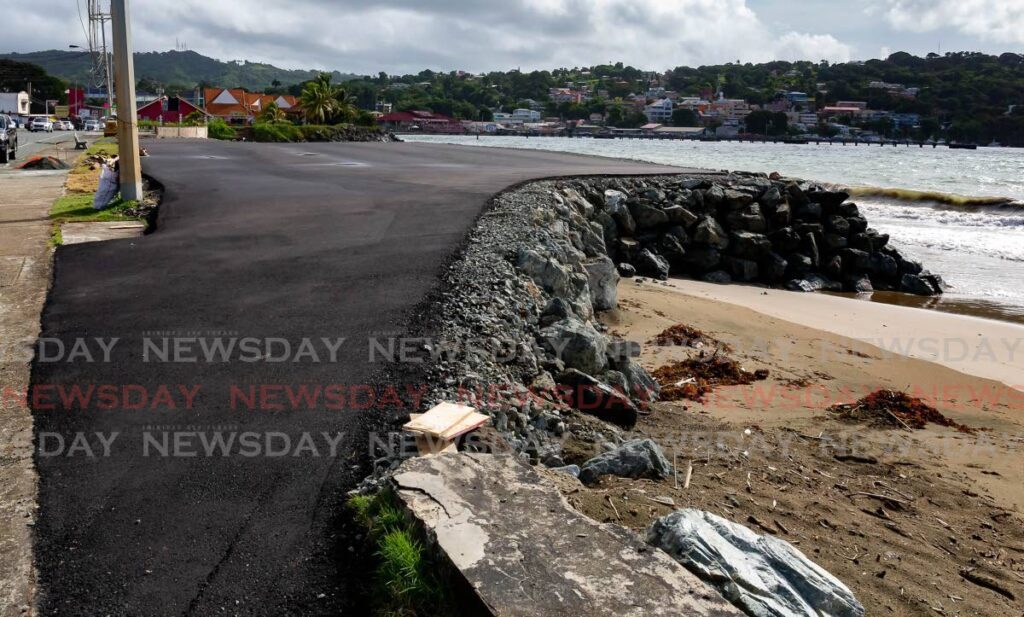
(127, 129)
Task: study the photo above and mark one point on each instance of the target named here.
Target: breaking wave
(937, 197)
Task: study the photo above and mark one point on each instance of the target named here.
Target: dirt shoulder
(25, 271)
(921, 522)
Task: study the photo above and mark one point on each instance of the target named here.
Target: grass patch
(407, 579)
(77, 208)
(83, 178)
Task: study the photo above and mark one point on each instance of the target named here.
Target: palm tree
(345, 107)
(318, 99)
(272, 113)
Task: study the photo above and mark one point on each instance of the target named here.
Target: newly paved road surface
(280, 241)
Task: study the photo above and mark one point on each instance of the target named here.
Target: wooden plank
(467, 424)
(439, 419)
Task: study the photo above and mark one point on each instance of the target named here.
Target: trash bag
(109, 184)
(763, 576)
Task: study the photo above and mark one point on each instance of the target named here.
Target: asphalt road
(30, 144)
(289, 242)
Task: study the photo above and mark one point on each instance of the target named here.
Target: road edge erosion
(512, 327)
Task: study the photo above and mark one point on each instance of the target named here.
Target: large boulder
(917, 284)
(709, 233)
(577, 344)
(749, 245)
(813, 282)
(641, 458)
(647, 216)
(702, 258)
(785, 240)
(558, 280)
(623, 218)
(603, 279)
(749, 218)
(773, 268)
(651, 264)
(744, 270)
(591, 395)
(679, 215)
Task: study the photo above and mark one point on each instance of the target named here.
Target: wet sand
(972, 345)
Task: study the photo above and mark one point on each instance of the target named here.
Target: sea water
(960, 212)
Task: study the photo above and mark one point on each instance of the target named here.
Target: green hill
(181, 68)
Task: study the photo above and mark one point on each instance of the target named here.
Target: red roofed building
(238, 106)
(426, 121)
(167, 109)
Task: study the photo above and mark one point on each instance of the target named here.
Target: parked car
(8, 139)
(64, 125)
(92, 125)
(40, 124)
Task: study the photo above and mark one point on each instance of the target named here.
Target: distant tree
(272, 113)
(318, 99)
(685, 117)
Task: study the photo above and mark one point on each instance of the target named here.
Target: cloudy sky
(399, 36)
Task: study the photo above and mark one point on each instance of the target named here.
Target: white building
(659, 111)
(14, 103)
(526, 115)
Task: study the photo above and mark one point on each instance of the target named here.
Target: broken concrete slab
(524, 551)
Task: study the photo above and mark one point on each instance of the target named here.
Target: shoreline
(973, 345)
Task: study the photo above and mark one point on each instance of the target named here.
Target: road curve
(289, 242)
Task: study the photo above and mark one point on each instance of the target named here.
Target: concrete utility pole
(127, 115)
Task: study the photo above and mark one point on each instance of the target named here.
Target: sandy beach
(904, 517)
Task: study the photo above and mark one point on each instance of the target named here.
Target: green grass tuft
(406, 577)
(77, 208)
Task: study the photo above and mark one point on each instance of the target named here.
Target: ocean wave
(1001, 204)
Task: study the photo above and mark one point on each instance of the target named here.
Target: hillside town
(780, 101)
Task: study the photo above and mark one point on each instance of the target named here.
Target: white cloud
(409, 35)
(1000, 21)
(796, 46)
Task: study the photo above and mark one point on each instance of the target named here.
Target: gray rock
(603, 279)
(627, 270)
(701, 258)
(749, 245)
(623, 218)
(651, 264)
(838, 225)
(834, 267)
(835, 242)
(671, 249)
(813, 282)
(749, 218)
(594, 397)
(719, 277)
(555, 311)
(917, 284)
(572, 470)
(641, 385)
(613, 198)
(592, 239)
(709, 233)
(577, 344)
(859, 284)
(647, 216)
(785, 240)
(782, 215)
(773, 268)
(679, 215)
(633, 459)
(744, 270)
(855, 261)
